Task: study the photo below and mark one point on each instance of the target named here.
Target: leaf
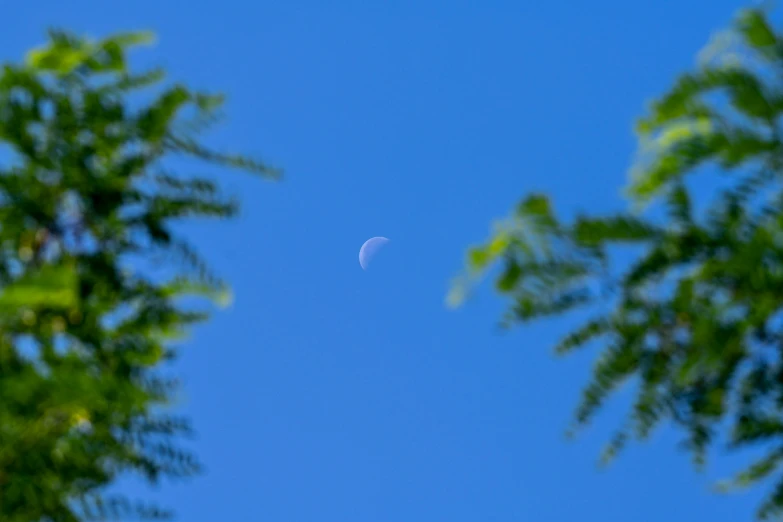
(510, 276)
(614, 366)
(219, 293)
(457, 293)
(684, 110)
(595, 231)
(681, 157)
(52, 286)
(154, 121)
(679, 203)
(189, 147)
(537, 210)
(535, 205)
(128, 82)
(754, 27)
(131, 39)
(678, 131)
(59, 60)
(582, 335)
(760, 469)
(498, 245)
(528, 306)
(614, 447)
(209, 102)
(478, 257)
(773, 504)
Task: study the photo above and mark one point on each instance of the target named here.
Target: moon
(369, 249)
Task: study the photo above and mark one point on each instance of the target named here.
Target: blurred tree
(695, 320)
(84, 198)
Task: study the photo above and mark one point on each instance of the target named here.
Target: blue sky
(327, 393)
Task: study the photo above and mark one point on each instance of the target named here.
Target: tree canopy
(87, 200)
(695, 320)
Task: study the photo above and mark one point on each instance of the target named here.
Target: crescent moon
(369, 249)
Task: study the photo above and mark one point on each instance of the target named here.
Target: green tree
(86, 196)
(695, 319)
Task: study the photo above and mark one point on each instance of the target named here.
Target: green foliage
(84, 197)
(695, 320)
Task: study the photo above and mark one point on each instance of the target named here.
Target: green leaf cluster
(696, 319)
(85, 198)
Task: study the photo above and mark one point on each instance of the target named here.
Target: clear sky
(327, 393)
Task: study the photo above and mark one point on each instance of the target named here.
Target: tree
(695, 319)
(86, 201)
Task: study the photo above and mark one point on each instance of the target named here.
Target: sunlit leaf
(50, 286)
